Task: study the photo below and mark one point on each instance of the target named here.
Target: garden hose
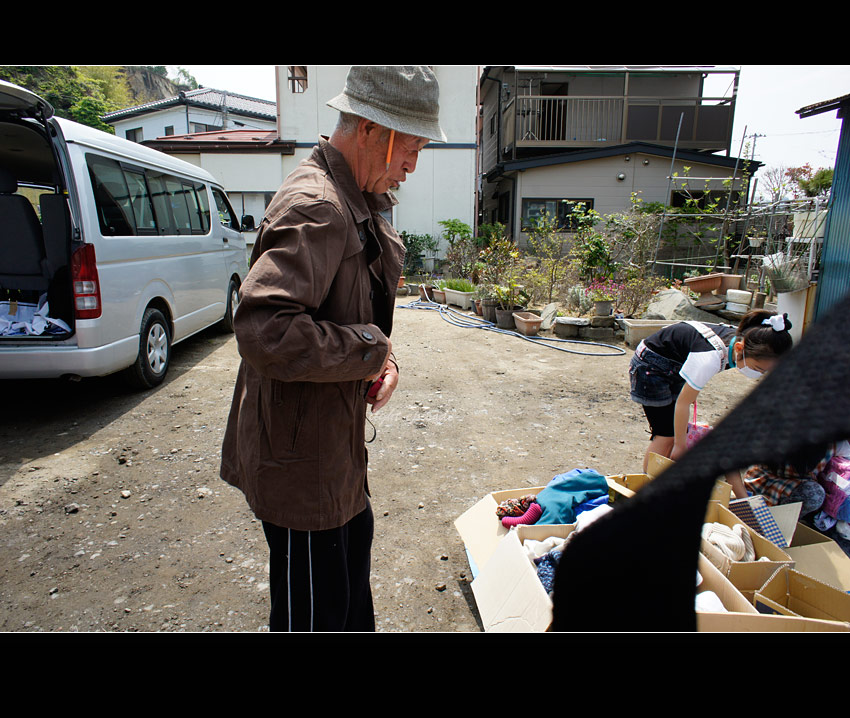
(468, 321)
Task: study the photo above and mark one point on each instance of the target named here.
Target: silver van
(110, 252)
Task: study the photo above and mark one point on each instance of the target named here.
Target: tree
(549, 244)
(776, 182)
(811, 182)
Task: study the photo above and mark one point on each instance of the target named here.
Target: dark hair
(762, 341)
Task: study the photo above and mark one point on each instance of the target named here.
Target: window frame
(565, 223)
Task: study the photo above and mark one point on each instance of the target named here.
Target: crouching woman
(671, 367)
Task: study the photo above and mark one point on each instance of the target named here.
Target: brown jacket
(315, 312)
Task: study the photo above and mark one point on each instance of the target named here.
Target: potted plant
(509, 296)
(439, 291)
(486, 295)
(603, 295)
(459, 292)
(430, 246)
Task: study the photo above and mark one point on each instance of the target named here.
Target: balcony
(540, 121)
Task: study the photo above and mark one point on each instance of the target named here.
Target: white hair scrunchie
(777, 321)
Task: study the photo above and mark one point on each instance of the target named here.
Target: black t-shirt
(699, 358)
(678, 340)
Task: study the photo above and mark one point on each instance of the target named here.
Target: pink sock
(535, 511)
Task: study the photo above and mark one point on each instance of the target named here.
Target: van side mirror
(247, 223)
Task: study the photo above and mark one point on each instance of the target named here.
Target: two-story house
(596, 134)
(192, 111)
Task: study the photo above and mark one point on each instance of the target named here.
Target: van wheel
(151, 365)
(232, 303)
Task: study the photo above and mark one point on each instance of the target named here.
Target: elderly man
(313, 329)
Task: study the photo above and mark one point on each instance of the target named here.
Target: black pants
(320, 579)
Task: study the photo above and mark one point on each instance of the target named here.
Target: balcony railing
(593, 121)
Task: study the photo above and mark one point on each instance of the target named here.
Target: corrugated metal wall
(834, 280)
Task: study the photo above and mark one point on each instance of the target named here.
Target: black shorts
(660, 419)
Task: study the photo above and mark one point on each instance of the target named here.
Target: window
(135, 201)
(169, 130)
(134, 135)
(297, 78)
(533, 209)
(114, 209)
(201, 127)
(225, 213)
(140, 201)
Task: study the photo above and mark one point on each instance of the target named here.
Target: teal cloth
(566, 491)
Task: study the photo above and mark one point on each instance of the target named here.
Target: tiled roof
(204, 97)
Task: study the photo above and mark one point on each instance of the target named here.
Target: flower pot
(527, 323)
(439, 296)
(426, 293)
(488, 309)
(505, 317)
(704, 286)
(603, 307)
(477, 305)
(460, 299)
(401, 281)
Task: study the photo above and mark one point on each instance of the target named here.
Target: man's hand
(389, 372)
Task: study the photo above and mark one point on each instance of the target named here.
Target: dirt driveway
(113, 518)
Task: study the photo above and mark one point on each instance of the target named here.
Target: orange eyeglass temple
(390, 148)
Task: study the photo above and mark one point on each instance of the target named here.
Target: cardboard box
(624, 486)
(746, 576)
(791, 593)
(820, 557)
(480, 528)
(508, 592)
(763, 623)
(712, 580)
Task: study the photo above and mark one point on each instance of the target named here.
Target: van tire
(151, 365)
(232, 303)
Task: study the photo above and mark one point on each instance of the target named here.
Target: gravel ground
(113, 518)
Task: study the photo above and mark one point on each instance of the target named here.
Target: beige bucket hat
(404, 98)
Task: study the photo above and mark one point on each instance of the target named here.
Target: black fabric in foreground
(635, 568)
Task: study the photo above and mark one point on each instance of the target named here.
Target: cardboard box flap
(657, 464)
(509, 595)
(820, 557)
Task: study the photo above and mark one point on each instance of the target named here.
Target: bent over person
(313, 329)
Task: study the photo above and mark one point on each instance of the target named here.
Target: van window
(114, 211)
(140, 201)
(225, 213)
(137, 201)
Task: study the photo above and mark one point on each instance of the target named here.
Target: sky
(768, 96)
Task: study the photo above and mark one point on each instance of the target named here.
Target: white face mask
(745, 370)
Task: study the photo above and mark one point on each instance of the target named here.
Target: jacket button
(367, 356)
(367, 336)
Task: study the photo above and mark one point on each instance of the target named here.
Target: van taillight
(85, 283)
